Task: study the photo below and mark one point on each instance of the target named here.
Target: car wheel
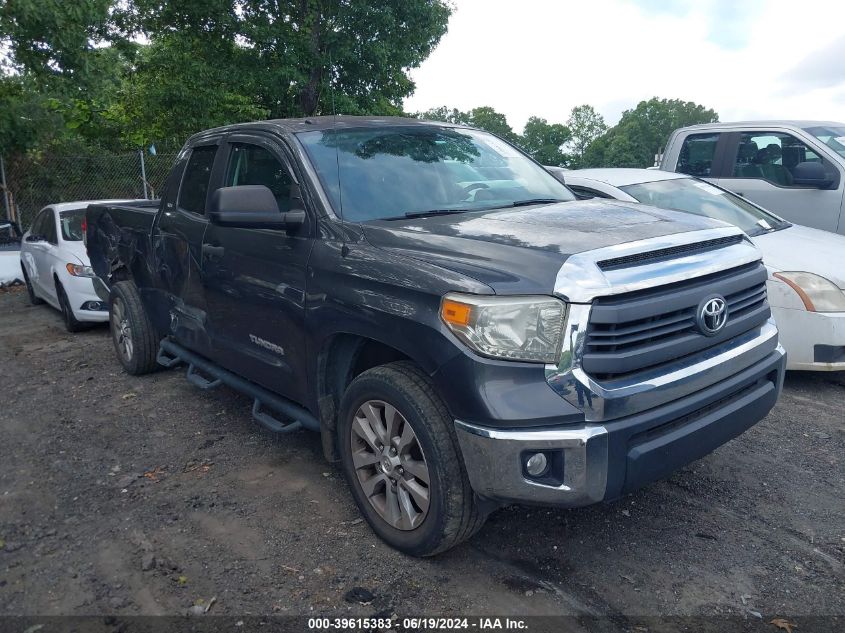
(401, 459)
(135, 339)
(33, 298)
(71, 324)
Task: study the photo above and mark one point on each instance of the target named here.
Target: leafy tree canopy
(642, 132)
(207, 62)
(586, 125)
(545, 141)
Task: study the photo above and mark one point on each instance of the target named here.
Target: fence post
(143, 174)
(5, 189)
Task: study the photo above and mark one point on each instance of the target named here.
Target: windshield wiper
(525, 203)
(427, 213)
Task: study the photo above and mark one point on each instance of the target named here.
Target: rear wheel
(33, 298)
(71, 324)
(401, 458)
(135, 339)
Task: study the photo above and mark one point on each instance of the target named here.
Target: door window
(49, 228)
(38, 224)
(254, 165)
(772, 156)
(696, 156)
(194, 190)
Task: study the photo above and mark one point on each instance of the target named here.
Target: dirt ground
(122, 495)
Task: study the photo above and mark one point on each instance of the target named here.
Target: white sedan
(806, 266)
(56, 267)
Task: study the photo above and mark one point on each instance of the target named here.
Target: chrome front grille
(631, 332)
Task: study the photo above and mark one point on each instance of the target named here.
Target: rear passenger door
(760, 167)
(35, 257)
(178, 243)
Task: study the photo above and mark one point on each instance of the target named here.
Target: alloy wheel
(390, 465)
(121, 331)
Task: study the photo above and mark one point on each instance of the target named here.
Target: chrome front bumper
(494, 460)
(668, 424)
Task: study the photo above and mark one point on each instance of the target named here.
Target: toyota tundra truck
(458, 328)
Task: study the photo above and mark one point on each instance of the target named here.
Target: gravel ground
(122, 495)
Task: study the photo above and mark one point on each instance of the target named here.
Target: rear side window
(696, 157)
(194, 188)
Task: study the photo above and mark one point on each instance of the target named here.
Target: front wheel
(401, 459)
(71, 324)
(135, 339)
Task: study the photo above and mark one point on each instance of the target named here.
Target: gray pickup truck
(461, 331)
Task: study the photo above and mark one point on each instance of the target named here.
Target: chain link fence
(35, 181)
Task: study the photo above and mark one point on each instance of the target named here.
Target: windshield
(71, 222)
(702, 198)
(833, 137)
(389, 172)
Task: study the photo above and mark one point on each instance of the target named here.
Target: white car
(56, 267)
(806, 266)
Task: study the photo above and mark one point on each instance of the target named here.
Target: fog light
(537, 464)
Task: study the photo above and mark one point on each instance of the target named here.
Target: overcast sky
(747, 59)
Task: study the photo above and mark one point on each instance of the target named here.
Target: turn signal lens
(80, 271)
(455, 312)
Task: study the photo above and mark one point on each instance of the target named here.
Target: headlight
(511, 328)
(817, 293)
(80, 271)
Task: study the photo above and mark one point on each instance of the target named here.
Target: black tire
(33, 298)
(453, 513)
(129, 322)
(71, 324)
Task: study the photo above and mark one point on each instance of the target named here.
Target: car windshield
(392, 172)
(833, 137)
(702, 198)
(71, 223)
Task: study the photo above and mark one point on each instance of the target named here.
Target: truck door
(178, 246)
(760, 167)
(255, 278)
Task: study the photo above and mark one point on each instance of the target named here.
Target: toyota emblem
(712, 315)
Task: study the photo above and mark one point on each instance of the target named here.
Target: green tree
(641, 132)
(545, 141)
(483, 117)
(306, 57)
(585, 125)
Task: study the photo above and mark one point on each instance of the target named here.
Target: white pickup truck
(794, 168)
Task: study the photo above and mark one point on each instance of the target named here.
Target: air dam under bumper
(593, 462)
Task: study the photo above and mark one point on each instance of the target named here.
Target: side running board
(205, 374)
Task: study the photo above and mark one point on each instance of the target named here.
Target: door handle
(213, 252)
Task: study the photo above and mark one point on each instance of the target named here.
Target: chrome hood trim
(580, 280)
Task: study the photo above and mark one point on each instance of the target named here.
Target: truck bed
(118, 233)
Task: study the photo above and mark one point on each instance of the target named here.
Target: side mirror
(811, 174)
(251, 207)
(32, 238)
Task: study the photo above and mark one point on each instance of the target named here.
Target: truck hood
(522, 250)
(800, 248)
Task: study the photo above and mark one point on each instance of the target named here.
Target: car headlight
(510, 328)
(817, 293)
(80, 271)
